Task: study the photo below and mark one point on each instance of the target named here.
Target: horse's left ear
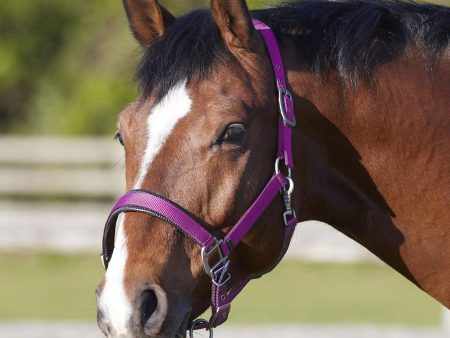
(234, 22)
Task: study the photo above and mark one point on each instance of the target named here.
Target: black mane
(349, 37)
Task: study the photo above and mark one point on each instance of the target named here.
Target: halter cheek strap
(224, 288)
(285, 100)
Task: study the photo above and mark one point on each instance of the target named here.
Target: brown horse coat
(371, 84)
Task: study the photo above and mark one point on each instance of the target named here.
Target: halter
(223, 290)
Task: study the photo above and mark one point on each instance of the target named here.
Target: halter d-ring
(200, 322)
(277, 167)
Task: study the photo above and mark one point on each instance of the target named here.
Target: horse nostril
(148, 305)
(152, 310)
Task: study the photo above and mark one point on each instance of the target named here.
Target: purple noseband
(224, 289)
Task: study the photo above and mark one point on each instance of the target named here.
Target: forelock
(186, 52)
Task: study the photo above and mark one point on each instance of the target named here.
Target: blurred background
(66, 70)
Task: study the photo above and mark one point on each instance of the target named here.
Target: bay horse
(370, 83)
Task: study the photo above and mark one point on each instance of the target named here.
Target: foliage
(66, 67)
(62, 66)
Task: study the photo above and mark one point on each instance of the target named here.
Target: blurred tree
(66, 67)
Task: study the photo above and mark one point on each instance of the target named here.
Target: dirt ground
(75, 330)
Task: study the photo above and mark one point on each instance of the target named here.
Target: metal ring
(200, 321)
(290, 181)
(277, 167)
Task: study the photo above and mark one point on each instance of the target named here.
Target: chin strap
(224, 288)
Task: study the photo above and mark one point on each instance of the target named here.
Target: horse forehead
(161, 120)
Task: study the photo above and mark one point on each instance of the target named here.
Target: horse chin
(181, 332)
(171, 330)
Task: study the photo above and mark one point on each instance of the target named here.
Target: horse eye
(233, 134)
(118, 136)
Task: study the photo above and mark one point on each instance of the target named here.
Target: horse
(370, 83)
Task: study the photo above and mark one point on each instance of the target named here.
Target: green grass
(48, 286)
(61, 287)
(330, 293)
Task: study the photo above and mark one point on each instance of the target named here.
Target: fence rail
(51, 193)
(58, 150)
(60, 168)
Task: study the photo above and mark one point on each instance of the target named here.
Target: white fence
(55, 194)
(60, 167)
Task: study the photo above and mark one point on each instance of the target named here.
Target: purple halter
(223, 291)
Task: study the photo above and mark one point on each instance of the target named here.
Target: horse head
(203, 134)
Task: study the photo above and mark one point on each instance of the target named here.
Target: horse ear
(148, 20)
(234, 22)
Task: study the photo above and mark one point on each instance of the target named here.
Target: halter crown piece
(224, 288)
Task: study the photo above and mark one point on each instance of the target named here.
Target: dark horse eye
(233, 134)
(118, 136)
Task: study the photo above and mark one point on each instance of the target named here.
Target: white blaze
(113, 301)
(160, 123)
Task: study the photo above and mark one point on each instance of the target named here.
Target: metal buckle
(282, 92)
(205, 258)
(217, 271)
(215, 316)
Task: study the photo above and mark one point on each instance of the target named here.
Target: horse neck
(352, 154)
